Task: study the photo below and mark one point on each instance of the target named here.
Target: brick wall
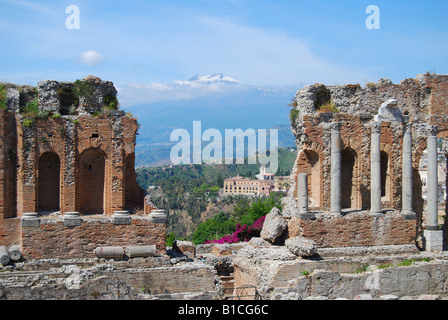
(355, 229)
(52, 239)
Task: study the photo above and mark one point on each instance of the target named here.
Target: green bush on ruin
(3, 96)
(111, 101)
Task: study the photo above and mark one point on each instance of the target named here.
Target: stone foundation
(52, 239)
(355, 229)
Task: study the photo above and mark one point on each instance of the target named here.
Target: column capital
(408, 127)
(432, 131)
(376, 126)
(335, 127)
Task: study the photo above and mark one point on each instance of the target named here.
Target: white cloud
(91, 58)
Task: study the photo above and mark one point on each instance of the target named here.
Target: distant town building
(263, 185)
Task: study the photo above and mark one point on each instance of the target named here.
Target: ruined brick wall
(52, 239)
(73, 154)
(356, 229)
(422, 101)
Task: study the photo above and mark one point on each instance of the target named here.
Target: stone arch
(91, 181)
(48, 182)
(310, 162)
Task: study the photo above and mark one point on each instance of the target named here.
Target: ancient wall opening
(348, 174)
(310, 164)
(91, 175)
(48, 190)
(385, 177)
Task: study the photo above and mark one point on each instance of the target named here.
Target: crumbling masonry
(360, 149)
(67, 179)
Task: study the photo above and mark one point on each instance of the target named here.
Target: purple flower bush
(242, 233)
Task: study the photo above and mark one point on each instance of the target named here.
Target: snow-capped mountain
(211, 79)
(218, 101)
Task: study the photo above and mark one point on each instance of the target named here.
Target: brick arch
(95, 143)
(51, 146)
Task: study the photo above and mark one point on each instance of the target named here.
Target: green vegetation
(245, 213)
(3, 96)
(294, 113)
(111, 101)
(82, 89)
(189, 193)
(327, 107)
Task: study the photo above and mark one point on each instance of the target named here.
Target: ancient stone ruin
(354, 224)
(67, 175)
(356, 192)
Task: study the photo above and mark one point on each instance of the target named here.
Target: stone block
(30, 219)
(301, 247)
(273, 226)
(433, 240)
(158, 216)
(72, 219)
(121, 218)
(185, 247)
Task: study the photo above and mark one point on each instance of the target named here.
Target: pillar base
(306, 216)
(30, 219)
(72, 219)
(336, 214)
(121, 218)
(433, 240)
(409, 215)
(158, 216)
(376, 213)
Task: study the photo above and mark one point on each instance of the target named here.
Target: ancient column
(432, 196)
(407, 171)
(433, 236)
(302, 197)
(375, 170)
(335, 169)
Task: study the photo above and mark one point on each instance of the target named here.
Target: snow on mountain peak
(213, 78)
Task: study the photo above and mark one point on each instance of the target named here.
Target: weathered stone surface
(273, 226)
(301, 247)
(428, 297)
(389, 297)
(363, 297)
(185, 247)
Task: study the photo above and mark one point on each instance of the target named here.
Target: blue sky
(280, 43)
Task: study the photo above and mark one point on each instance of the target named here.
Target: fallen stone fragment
(273, 226)
(301, 247)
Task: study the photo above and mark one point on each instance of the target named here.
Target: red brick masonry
(52, 239)
(356, 229)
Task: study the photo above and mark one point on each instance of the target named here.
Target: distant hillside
(189, 193)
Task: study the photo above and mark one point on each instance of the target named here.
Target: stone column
(375, 171)
(433, 236)
(432, 196)
(335, 169)
(407, 171)
(302, 197)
